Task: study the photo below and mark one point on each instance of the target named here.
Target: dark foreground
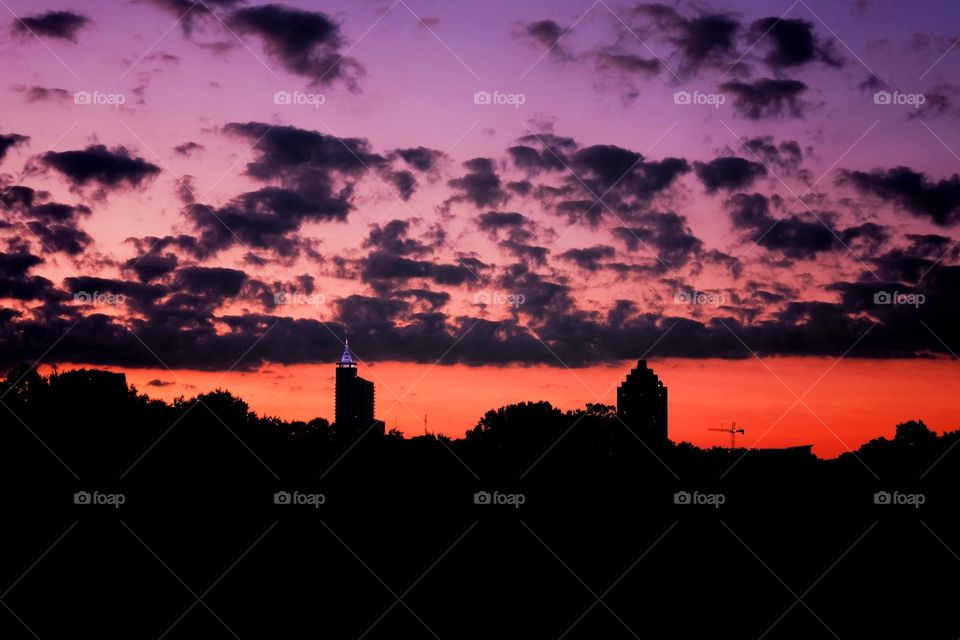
(133, 519)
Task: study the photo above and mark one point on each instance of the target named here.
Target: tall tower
(354, 403)
(642, 404)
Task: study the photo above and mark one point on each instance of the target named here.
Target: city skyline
(516, 202)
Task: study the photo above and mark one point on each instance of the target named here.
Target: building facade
(354, 405)
(642, 404)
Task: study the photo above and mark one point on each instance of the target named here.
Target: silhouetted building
(354, 404)
(642, 404)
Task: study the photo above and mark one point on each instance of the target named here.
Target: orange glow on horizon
(854, 401)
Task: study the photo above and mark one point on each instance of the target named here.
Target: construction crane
(733, 431)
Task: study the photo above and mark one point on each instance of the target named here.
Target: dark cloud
(547, 34)
(796, 237)
(541, 152)
(790, 43)
(730, 174)
(787, 155)
(156, 382)
(53, 24)
(393, 238)
(191, 14)
(42, 94)
(707, 40)
(64, 238)
(525, 252)
(767, 98)
(316, 173)
(394, 257)
(188, 148)
(56, 212)
(420, 158)
(210, 280)
(667, 234)
(588, 258)
(912, 191)
(480, 186)
(306, 43)
(16, 281)
(9, 141)
(108, 168)
(152, 266)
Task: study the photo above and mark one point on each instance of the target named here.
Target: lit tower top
(346, 360)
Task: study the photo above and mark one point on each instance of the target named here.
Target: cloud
(912, 191)
(190, 14)
(188, 148)
(480, 186)
(796, 237)
(730, 173)
(588, 258)
(42, 94)
(108, 168)
(547, 34)
(9, 141)
(791, 43)
(667, 234)
(306, 43)
(767, 98)
(786, 155)
(707, 40)
(156, 382)
(420, 158)
(152, 266)
(16, 281)
(63, 25)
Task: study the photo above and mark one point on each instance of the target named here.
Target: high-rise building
(354, 404)
(642, 404)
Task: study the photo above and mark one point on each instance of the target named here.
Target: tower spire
(346, 360)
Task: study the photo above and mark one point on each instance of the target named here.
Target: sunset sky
(495, 201)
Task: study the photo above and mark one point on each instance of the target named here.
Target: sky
(496, 202)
